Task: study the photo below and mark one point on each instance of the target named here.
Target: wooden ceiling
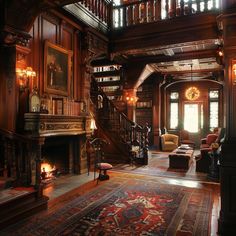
(189, 61)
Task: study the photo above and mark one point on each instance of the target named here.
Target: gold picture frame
(57, 69)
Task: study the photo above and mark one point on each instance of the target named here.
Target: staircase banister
(123, 132)
(113, 105)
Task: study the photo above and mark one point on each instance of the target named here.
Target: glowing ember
(45, 167)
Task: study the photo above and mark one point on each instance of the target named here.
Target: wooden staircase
(115, 126)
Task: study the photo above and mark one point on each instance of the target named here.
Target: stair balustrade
(123, 132)
(100, 8)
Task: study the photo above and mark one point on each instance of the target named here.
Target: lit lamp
(24, 75)
(93, 125)
(130, 97)
(131, 100)
(192, 93)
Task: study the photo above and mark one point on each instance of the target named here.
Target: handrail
(146, 11)
(100, 8)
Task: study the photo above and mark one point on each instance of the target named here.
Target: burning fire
(45, 167)
(47, 170)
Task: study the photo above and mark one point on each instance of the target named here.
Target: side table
(214, 167)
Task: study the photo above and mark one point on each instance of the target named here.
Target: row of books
(63, 106)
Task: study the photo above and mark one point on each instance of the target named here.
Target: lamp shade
(93, 124)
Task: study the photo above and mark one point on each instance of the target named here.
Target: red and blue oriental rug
(124, 206)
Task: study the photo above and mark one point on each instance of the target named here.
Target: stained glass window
(214, 94)
(174, 95)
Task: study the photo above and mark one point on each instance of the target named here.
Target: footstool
(180, 159)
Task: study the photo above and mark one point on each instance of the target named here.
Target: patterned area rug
(158, 165)
(124, 206)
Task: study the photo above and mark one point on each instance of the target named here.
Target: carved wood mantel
(44, 125)
(41, 126)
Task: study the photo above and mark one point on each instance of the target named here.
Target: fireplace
(60, 143)
(56, 158)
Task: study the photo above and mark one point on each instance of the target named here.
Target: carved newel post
(38, 158)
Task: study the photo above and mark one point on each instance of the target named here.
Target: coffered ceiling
(189, 61)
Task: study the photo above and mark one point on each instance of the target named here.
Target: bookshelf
(144, 111)
(109, 79)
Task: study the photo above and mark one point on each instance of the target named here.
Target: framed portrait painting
(57, 69)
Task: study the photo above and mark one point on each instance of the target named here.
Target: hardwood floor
(67, 183)
(63, 185)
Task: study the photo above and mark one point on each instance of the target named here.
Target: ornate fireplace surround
(74, 129)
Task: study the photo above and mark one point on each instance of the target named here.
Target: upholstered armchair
(203, 160)
(169, 142)
(185, 139)
(206, 142)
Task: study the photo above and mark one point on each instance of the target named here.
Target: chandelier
(192, 93)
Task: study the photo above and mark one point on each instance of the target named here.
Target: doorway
(193, 120)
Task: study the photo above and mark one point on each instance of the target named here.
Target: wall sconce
(131, 100)
(24, 75)
(234, 72)
(220, 53)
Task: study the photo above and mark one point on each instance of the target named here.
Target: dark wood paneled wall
(57, 31)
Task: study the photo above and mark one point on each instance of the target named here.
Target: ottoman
(180, 159)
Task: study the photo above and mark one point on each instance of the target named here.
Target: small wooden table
(214, 167)
(181, 158)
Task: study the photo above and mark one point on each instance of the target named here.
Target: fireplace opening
(55, 158)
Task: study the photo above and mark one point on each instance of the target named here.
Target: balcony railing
(100, 8)
(145, 11)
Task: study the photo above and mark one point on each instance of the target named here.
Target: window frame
(172, 100)
(209, 107)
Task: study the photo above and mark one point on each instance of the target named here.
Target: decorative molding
(10, 36)
(52, 125)
(94, 46)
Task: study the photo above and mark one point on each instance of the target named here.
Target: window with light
(174, 110)
(214, 109)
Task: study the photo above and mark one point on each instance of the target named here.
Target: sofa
(169, 142)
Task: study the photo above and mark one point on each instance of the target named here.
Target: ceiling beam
(176, 57)
(184, 72)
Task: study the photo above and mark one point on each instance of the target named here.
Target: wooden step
(16, 206)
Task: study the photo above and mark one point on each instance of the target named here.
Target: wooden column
(156, 114)
(227, 22)
(38, 158)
